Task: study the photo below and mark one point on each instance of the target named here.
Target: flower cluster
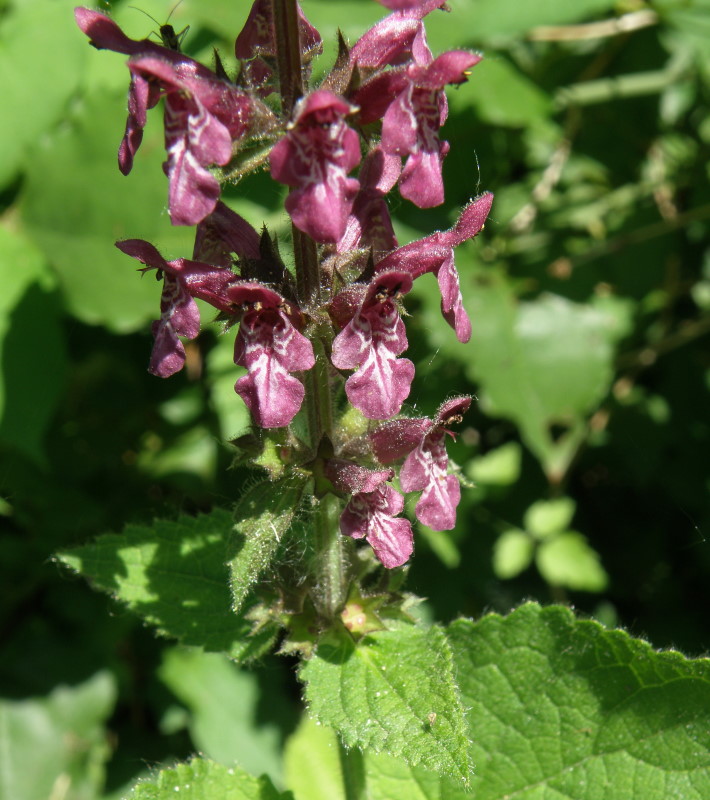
(380, 109)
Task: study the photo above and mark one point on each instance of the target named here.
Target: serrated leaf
(512, 553)
(568, 560)
(394, 692)
(172, 574)
(546, 517)
(564, 709)
(263, 515)
(56, 746)
(201, 779)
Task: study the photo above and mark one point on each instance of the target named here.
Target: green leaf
(201, 779)
(36, 83)
(487, 21)
(563, 709)
(100, 284)
(549, 516)
(393, 691)
(512, 553)
(173, 575)
(568, 560)
(223, 703)
(502, 95)
(499, 467)
(32, 355)
(264, 514)
(56, 746)
(312, 763)
(541, 363)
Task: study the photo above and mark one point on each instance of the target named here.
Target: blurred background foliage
(586, 455)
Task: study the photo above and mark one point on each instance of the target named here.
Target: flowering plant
(320, 338)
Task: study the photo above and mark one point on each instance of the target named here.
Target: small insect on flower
(166, 32)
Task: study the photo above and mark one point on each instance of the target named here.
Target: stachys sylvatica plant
(333, 444)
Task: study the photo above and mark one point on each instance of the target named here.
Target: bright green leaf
(563, 709)
(36, 83)
(568, 560)
(223, 702)
(201, 779)
(499, 467)
(75, 170)
(546, 517)
(32, 355)
(312, 763)
(393, 691)
(56, 746)
(173, 575)
(541, 363)
(512, 553)
(263, 515)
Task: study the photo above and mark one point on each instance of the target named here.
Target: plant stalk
(328, 566)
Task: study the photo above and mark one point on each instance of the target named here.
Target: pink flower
(435, 254)
(256, 44)
(204, 115)
(315, 157)
(369, 225)
(370, 343)
(371, 511)
(426, 466)
(183, 280)
(270, 347)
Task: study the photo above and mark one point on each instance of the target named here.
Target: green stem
(330, 568)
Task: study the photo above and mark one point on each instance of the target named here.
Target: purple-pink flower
(204, 115)
(370, 343)
(369, 225)
(372, 510)
(271, 347)
(183, 280)
(435, 254)
(426, 466)
(315, 157)
(256, 44)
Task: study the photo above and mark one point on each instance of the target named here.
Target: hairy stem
(328, 566)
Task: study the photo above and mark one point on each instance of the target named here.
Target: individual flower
(410, 126)
(315, 157)
(203, 115)
(435, 254)
(256, 44)
(183, 280)
(370, 343)
(369, 225)
(371, 511)
(222, 233)
(426, 466)
(270, 346)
